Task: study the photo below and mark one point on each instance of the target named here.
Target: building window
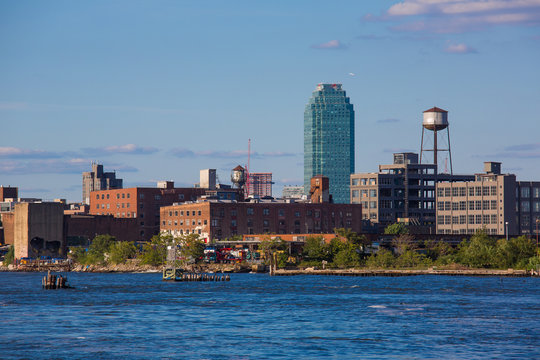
(536, 192)
(249, 211)
(478, 191)
(462, 191)
(123, 196)
(440, 219)
(455, 206)
(479, 219)
(471, 219)
(471, 205)
(372, 182)
(373, 192)
(440, 192)
(455, 191)
(478, 205)
(157, 197)
(181, 196)
(297, 214)
(355, 193)
(485, 204)
(471, 191)
(372, 204)
(536, 206)
(141, 196)
(525, 192)
(233, 212)
(233, 223)
(493, 190)
(447, 191)
(281, 213)
(525, 206)
(485, 191)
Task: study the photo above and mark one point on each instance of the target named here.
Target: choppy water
(254, 316)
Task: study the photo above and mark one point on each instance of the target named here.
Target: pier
(179, 275)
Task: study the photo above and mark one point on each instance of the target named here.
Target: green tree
(396, 229)
(78, 254)
(412, 259)
(382, 259)
(155, 252)
(192, 249)
(478, 252)
(10, 255)
(347, 256)
(99, 248)
(515, 252)
(316, 249)
(120, 251)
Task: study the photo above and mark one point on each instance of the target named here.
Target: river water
(254, 316)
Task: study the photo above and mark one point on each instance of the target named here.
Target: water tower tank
(238, 176)
(435, 119)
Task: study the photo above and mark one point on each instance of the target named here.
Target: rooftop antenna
(248, 178)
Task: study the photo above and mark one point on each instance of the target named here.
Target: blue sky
(158, 90)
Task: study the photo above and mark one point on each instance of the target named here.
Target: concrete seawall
(365, 272)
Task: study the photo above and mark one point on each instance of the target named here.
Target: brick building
(141, 203)
(219, 220)
(80, 228)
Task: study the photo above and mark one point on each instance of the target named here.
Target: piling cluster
(176, 275)
(54, 282)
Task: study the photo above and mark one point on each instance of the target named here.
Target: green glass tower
(329, 140)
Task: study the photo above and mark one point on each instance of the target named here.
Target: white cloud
(332, 44)
(459, 49)
(446, 16)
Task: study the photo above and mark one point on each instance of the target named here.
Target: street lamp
(537, 221)
(506, 223)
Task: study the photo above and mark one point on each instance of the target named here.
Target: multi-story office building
(402, 191)
(487, 202)
(259, 184)
(528, 206)
(96, 180)
(329, 139)
(142, 203)
(219, 220)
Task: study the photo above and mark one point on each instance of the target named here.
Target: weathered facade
(39, 230)
(218, 220)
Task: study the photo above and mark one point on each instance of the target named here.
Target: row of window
(467, 219)
(526, 192)
(118, 206)
(181, 212)
(526, 206)
(118, 196)
(462, 191)
(187, 222)
(465, 231)
(472, 205)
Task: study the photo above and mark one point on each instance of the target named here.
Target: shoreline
(123, 268)
(405, 272)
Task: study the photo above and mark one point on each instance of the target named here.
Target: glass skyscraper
(329, 140)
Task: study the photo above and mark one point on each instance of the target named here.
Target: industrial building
(220, 219)
(493, 201)
(487, 202)
(142, 203)
(400, 192)
(329, 140)
(97, 180)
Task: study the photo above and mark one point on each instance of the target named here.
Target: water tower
(435, 120)
(238, 177)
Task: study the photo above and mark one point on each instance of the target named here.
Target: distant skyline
(157, 90)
